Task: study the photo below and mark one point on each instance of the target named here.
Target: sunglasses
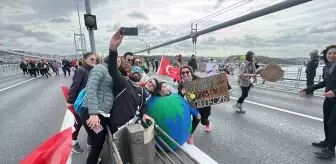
(185, 72)
(136, 69)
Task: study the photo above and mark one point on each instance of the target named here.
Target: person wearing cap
(311, 69)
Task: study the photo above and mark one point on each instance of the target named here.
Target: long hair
(249, 56)
(158, 88)
(324, 53)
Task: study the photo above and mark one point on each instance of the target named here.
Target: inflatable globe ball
(172, 114)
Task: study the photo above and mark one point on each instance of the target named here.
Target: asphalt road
(264, 135)
(33, 111)
(30, 113)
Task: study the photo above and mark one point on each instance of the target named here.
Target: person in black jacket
(24, 67)
(66, 66)
(187, 74)
(192, 63)
(329, 104)
(311, 69)
(129, 95)
(79, 81)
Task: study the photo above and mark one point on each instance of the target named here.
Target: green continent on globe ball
(172, 115)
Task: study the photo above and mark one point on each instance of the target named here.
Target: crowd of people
(116, 93)
(38, 67)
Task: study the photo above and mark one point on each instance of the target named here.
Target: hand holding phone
(129, 31)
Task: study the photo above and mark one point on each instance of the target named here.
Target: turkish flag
(167, 69)
(56, 149)
(65, 91)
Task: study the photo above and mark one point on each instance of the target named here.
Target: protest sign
(207, 91)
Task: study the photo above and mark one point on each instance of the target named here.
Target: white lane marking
(3, 89)
(270, 107)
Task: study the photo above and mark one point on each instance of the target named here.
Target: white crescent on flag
(172, 71)
(167, 69)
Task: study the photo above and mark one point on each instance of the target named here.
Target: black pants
(45, 72)
(97, 140)
(205, 113)
(32, 72)
(25, 71)
(329, 121)
(245, 91)
(37, 71)
(66, 69)
(310, 81)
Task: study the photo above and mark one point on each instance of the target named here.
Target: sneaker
(77, 149)
(236, 107)
(321, 144)
(241, 109)
(191, 140)
(325, 154)
(208, 127)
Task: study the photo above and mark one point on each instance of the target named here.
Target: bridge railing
(294, 79)
(10, 70)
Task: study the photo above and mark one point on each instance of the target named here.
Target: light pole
(80, 27)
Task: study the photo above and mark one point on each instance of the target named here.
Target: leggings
(329, 121)
(205, 113)
(98, 140)
(245, 91)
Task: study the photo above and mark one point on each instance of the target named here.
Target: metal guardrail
(293, 79)
(10, 70)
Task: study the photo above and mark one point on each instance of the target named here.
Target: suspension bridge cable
(208, 17)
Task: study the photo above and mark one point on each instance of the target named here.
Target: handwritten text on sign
(207, 91)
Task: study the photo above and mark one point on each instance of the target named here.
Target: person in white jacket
(211, 67)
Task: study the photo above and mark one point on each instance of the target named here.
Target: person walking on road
(329, 104)
(311, 70)
(246, 78)
(66, 65)
(79, 81)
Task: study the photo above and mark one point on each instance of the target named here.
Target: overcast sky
(45, 26)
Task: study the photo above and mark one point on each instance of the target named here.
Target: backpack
(79, 101)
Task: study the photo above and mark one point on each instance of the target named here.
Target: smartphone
(97, 129)
(129, 31)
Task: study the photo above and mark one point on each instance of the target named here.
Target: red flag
(56, 149)
(167, 69)
(65, 91)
